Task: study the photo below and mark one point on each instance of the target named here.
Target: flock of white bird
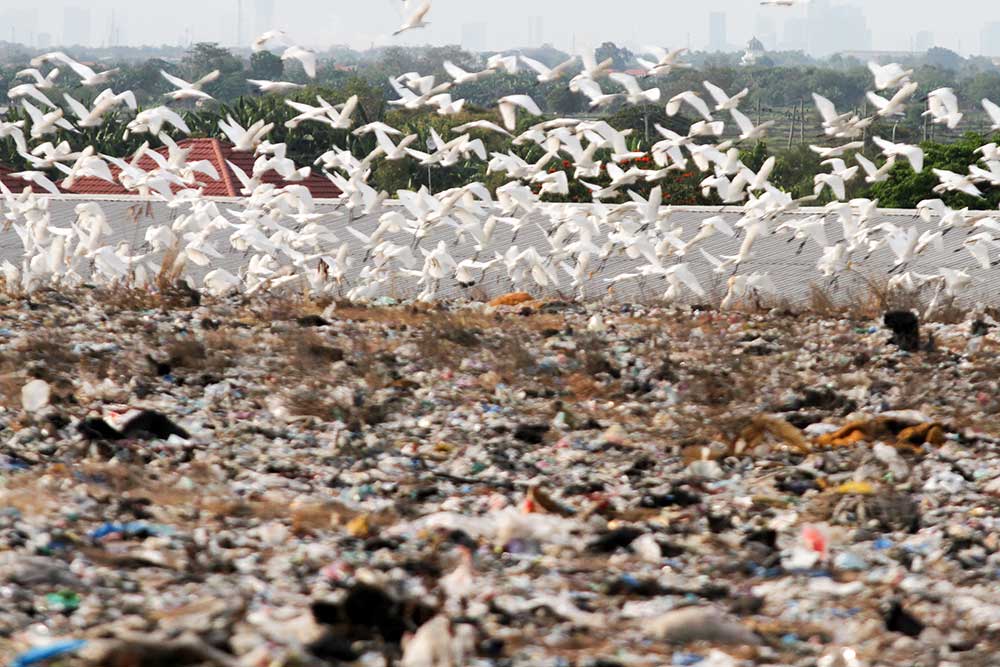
(289, 244)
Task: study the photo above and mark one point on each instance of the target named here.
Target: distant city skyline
(821, 28)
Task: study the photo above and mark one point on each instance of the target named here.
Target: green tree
(267, 66)
(944, 58)
(206, 57)
(563, 101)
(621, 57)
(905, 188)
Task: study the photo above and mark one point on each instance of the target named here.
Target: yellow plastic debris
(358, 527)
(860, 488)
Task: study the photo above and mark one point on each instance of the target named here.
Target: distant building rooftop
(755, 51)
(13, 183)
(220, 154)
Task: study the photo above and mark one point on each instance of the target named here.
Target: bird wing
(83, 71)
(526, 103)
(232, 129)
(304, 56)
(698, 104)
(826, 108)
(836, 164)
(32, 72)
(509, 114)
(993, 110)
(592, 90)
(866, 164)
(384, 141)
(915, 155)
(903, 94)
(348, 110)
(31, 91)
(179, 83)
(561, 68)
(684, 274)
(746, 126)
(453, 70)
(980, 252)
(208, 78)
(173, 118)
(879, 101)
(877, 72)
(886, 146)
(422, 10)
(717, 93)
(76, 107)
(128, 97)
(539, 67)
(627, 82)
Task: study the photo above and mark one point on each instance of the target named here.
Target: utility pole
(802, 122)
(864, 114)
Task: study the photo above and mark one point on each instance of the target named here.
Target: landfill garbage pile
(253, 482)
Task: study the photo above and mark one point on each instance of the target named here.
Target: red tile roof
(17, 185)
(220, 155)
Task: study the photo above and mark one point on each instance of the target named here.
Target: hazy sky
(955, 24)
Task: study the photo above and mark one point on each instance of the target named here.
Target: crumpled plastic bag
(500, 527)
(692, 624)
(437, 643)
(35, 395)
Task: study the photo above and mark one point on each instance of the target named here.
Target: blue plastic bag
(45, 653)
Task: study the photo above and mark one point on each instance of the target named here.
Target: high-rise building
(21, 25)
(717, 40)
(44, 40)
(76, 26)
(834, 28)
(536, 31)
(923, 41)
(764, 30)
(990, 36)
(474, 36)
(263, 16)
(115, 35)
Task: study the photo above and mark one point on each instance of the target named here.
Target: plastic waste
(35, 395)
(692, 624)
(43, 654)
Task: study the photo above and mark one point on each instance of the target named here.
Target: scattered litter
(35, 396)
(471, 485)
(693, 624)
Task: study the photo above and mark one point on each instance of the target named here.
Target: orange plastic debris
(921, 433)
(511, 299)
(882, 429)
(848, 435)
(763, 425)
